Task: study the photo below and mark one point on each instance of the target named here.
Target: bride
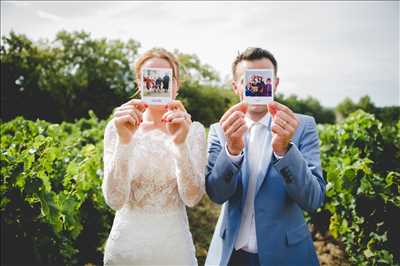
(154, 163)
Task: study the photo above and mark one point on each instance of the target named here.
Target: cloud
(48, 16)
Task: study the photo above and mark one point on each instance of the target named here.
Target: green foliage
(193, 70)
(308, 106)
(360, 158)
(53, 210)
(386, 114)
(71, 75)
(52, 206)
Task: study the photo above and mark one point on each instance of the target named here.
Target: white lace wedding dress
(149, 181)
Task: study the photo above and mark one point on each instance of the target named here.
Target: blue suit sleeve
(222, 174)
(301, 170)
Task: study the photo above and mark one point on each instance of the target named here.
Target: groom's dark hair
(254, 53)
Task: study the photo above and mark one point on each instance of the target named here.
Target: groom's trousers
(243, 258)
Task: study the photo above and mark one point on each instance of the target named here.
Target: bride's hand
(177, 121)
(127, 119)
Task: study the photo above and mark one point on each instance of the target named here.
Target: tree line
(62, 79)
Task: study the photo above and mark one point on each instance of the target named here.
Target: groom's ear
(276, 84)
(235, 87)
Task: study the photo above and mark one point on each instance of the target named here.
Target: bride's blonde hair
(158, 53)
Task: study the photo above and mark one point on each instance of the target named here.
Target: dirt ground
(329, 253)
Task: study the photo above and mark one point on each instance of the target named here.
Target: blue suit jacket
(285, 188)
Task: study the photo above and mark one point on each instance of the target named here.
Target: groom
(264, 162)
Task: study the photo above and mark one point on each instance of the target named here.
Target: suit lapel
(245, 172)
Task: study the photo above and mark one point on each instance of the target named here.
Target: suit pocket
(297, 234)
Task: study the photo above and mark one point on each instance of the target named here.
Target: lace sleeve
(190, 161)
(117, 168)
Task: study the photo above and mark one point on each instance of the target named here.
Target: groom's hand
(283, 127)
(234, 127)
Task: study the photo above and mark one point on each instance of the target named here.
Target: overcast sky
(329, 50)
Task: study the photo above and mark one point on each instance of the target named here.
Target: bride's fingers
(163, 118)
(139, 115)
(138, 104)
(174, 115)
(133, 113)
(177, 120)
(129, 108)
(125, 113)
(124, 119)
(188, 117)
(124, 107)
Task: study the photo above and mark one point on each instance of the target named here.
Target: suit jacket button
(286, 175)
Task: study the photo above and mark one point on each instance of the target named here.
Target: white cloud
(48, 16)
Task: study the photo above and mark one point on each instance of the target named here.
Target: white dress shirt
(259, 132)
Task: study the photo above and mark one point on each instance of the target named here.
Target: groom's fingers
(235, 126)
(236, 115)
(240, 131)
(241, 107)
(274, 107)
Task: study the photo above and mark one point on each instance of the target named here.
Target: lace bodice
(151, 173)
